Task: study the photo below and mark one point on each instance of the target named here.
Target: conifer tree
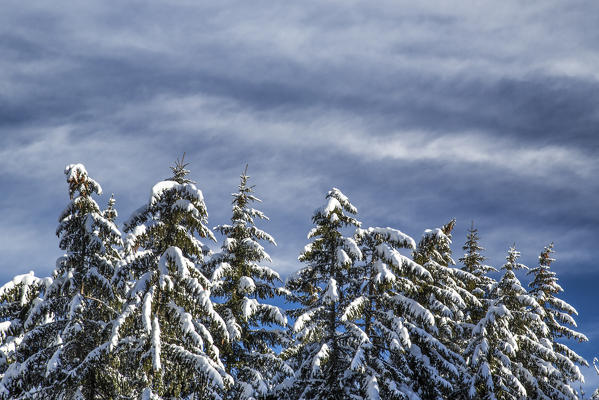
(506, 339)
(383, 313)
(556, 380)
(243, 284)
(17, 298)
(478, 285)
(322, 354)
(595, 395)
(446, 297)
(165, 335)
(62, 351)
(472, 262)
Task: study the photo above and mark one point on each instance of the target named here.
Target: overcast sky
(418, 111)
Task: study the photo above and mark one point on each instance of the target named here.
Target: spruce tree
(322, 354)
(242, 284)
(17, 298)
(473, 263)
(505, 342)
(478, 285)
(446, 297)
(557, 379)
(165, 335)
(383, 314)
(62, 351)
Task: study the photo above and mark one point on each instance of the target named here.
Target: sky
(419, 112)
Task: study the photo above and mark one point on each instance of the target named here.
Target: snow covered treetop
(26, 280)
(337, 202)
(79, 181)
(512, 263)
(393, 236)
(180, 172)
(545, 258)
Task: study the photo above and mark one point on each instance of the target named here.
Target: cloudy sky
(419, 112)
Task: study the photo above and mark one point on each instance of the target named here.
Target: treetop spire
(180, 171)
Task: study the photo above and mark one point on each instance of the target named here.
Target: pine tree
(322, 352)
(383, 314)
(62, 351)
(165, 335)
(446, 297)
(17, 298)
(556, 382)
(506, 339)
(243, 285)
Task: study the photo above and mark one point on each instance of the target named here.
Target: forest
(165, 307)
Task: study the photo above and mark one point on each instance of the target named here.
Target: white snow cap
(332, 294)
(74, 170)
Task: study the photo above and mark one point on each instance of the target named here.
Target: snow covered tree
(544, 287)
(62, 353)
(595, 395)
(383, 315)
(323, 352)
(17, 298)
(165, 335)
(478, 285)
(242, 284)
(472, 262)
(446, 297)
(505, 343)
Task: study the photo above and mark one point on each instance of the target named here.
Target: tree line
(149, 311)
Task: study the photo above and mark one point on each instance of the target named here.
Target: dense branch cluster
(152, 312)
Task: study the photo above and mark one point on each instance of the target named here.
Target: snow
(186, 189)
(342, 199)
(332, 205)
(357, 362)
(352, 247)
(246, 284)
(73, 171)
(394, 236)
(322, 355)
(437, 234)
(54, 363)
(306, 317)
(353, 308)
(75, 306)
(156, 345)
(186, 205)
(175, 255)
(372, 388)
(383, 275)
(415, 309)
(146, 311)
(26, 280)
(331, 295)
(342, 258)
(249, 307)
(186, 324)
(275, 314)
